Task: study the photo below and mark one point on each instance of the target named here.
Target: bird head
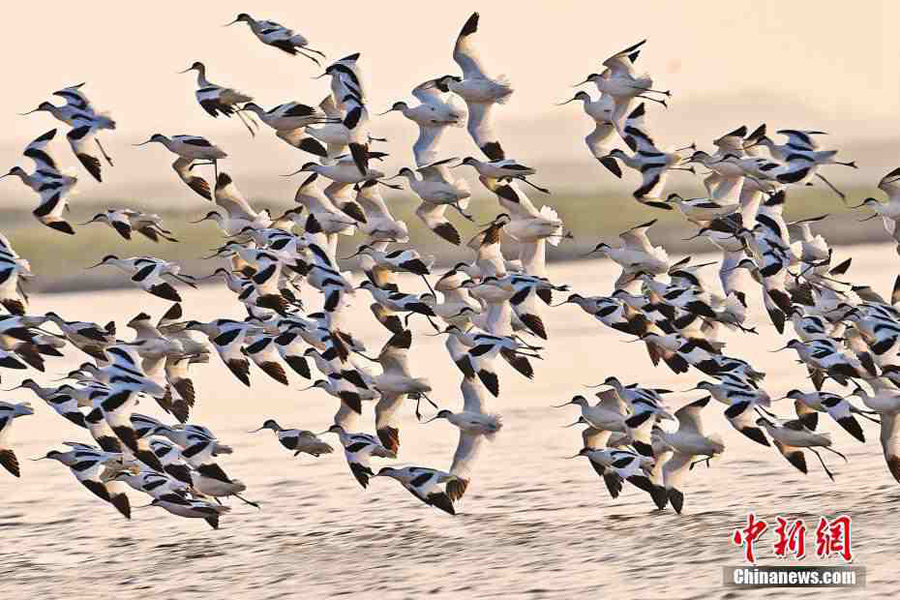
(43, 106)
(17, 171)
(156, 137)
(106, 260)
(241, 18)
(580, 95)
(600, 248)
(309, 167)
(401, 106)
(196, 66)
(52, 455)
(590, 79)
(268, 424)
(97, 217)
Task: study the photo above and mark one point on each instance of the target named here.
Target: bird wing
(636, 237)
(890, 442)
(480, 125)
(620, 63)
(37, 151)
(424, 149)
(394, 356)
(689, 416)
(466, 452)
(801, 139)
(610, 400)
(230, 198)
(474, 398)
(464, 52)
(75, 98)
(675, 469)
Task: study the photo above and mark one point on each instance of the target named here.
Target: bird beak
(185, 71)
(581, 83)
(692, 146)
(560, 405)
(780, 349)
(11, 389)
(357, 253)
(690, 390)
(571, 424)
(88, 222)
(99, 264)
(429, 420)
(309, 388)
(319, 76)
(567, 101)
(574, 456)
(385, 112)
(261, 428)
(29, 112)
(230, 24)
(300, 170)
(142, 143)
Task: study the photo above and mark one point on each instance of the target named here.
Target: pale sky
(793, 64)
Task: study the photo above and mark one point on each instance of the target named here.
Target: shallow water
(532, 524)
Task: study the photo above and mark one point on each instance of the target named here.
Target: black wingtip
(471, 25)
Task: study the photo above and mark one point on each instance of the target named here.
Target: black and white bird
(479, 90)
(52, 185)
(299, 441)
(278, 36)
(8, 413)
(216, 99)
(190, 149)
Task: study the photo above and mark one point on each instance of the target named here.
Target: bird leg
(663, 102)
(827, 472)
(702, 460)
(462, 212)
(667, 93)
(246, 124)
(538, 188)
(840, 194)
(312, 58)
(103, 152)
(430, 289)
(836, 452)
(250, 502)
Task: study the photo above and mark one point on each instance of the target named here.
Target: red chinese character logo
(834, 538)
(791, 538)
(747, 536)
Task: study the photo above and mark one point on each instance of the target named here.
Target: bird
(424, 484)
(299, 441)
(278, 36)
(479, 90)
(218, 100)
(190, 148)
(8, 413)
(125, 221)
(433, 115)
(147, 272)
(687, 442)
(49, 182)
(358, 449)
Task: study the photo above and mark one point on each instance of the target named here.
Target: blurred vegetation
(59, 260)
